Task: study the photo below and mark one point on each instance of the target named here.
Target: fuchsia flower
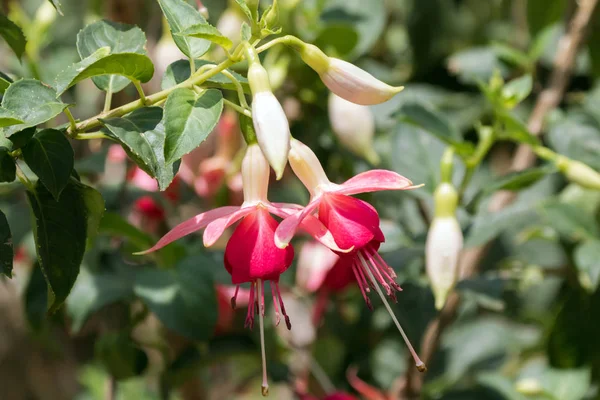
(353, 223)
(251, 254)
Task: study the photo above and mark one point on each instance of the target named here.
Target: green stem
(25, 180)
(92, 135)
(239, 89)
(140, 90)
(288, 40)
(192, 66)
(107, 100)
(72, 121)
(239, 109)
(446, 165)
(486, 140)
(545, 153)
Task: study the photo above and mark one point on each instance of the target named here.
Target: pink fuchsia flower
(353, 223)
(251, 255)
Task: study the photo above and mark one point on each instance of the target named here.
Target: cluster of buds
(259, 250)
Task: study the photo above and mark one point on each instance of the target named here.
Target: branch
(524, 158)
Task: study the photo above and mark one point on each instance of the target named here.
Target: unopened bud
(345, 79)
(307, 167)
(354, 126)
(444, 244)
(579, 173)
(255, 175)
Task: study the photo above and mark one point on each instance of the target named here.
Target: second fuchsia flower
(353, 223)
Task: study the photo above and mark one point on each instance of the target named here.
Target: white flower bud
(580, 173)
(307, 167)
(444, 244)
(255, 175)
(354, 126)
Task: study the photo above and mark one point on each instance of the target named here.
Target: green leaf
(21, 138)
(587, 260)
(50, 156)
(120, 355)
(515, 129)
(92, 292)
(246, 32)
(245, 9)
(488, 225)
(520, 179)
(517, 90)
(6, 247)
(133, 66)
(189, 119)
(32, 102)
(7, 118)
(94, 203)
(434, 123)
(8, 168)
(60, 230)
(142, 135)
(208, 32)
(577, 141)
(183, 298)
(57, 6)
(36, 299)
(541, 13)
(4, 84)
(13, 35)
(569, 220)
(121, 38)
(181, 16)
(179, 71)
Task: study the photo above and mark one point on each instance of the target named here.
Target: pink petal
(287, 228)
(191, 225)
(374, 181)
(215, 229)
(314, 262)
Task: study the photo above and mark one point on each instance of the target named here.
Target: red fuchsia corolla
(353, 223)
(251, 255)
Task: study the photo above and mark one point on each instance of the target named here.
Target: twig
(524, 157)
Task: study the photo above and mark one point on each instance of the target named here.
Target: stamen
(361, 286)
(261, 297)
(363, 277)
(277, 317)
(375, 270)
(288, 323)
(260, 286)
(234, 298)
(383, 263)
(419, 364)
(382, 270)
(249, 323)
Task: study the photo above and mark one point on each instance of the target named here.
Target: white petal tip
(142, 253)
(398, 89)
(281, 244)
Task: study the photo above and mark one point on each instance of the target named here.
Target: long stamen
(250, 316)
(260, 286)
(382, 262)
(383, 270)
(361, 286)
(373, 268)
(288, 323)
(277, 317)
(234, 298)
(419, 364)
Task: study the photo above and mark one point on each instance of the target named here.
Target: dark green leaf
(57, 5)
(142, 134)
(189, 119)
(7, 118)
(517, 90)
(488, 225)
(36, 299)
(120, 355)
(92, 292)
(179, 71)
(569, 220)
(476, 63)
(133, 66)
(6, 247)
(577, 141)
(541, 13)
(8, 168)
(587, 260)
(208, 32)
(121, 38)
(13, 35)
(94, 204)
(50, 156)
(21, 138)
(520, 179)
(181, 16)
(32, 102)
(60, 229)
(183, 298)
(337, 39)
(515, 129)
(434, 123)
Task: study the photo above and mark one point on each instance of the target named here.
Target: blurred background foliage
(527, 325)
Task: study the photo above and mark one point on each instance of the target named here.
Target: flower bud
(444, 243)
(307, 167)
(579, 173)
(345, 79)
(255, 175)
(354, 126)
